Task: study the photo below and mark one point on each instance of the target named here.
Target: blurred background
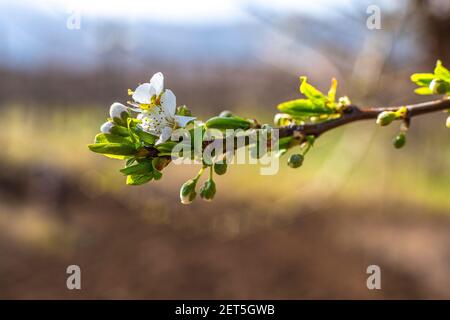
(306, 233)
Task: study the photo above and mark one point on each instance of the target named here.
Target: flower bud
(184, 111)
(187, 191)
(208, 190)
(220, 168)
(119, 113)
(438, 86)
(282, 119)
(344, 101)
(107, 126)
(160, 163)
(223, 123)
(447, 123)
(399, 141)
(386, 117)
(226, 114)
(295, 160)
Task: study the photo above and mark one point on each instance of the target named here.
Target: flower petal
(157, 83)
(117, 109)
(107, 126)
(182, 121)
(142, 116)
(143, 93)
(169, 103)
(134, 106)
(166, 133)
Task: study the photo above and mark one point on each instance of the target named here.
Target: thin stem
(199, 174)
(211, 173)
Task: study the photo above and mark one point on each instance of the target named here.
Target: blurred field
(304, 233)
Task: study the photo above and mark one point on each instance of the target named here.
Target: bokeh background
(307, 233)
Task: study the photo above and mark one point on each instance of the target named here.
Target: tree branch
(354, 113)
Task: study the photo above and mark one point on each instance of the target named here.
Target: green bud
(220, 168)
(386, 117)
(208, 190)
(224, 123)
(399, 141)
(226, 114)
(295, 160)
(187, 191)
(438, 86)
(184, 111)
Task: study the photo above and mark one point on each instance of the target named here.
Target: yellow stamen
(144, 106)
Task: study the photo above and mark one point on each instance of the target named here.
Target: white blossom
(107, 126)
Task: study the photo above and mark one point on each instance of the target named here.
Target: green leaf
(422, 79)
(314, 95)
(166, 147)
(130, 162)
(441, 72)
(138, 179)
(157, 174)
(120, 131)
(115, 149)
(223, 123)
(303, 107)
(332, 91)
(111, 138)
(423, 91)
(145, 136)
(140, 168)
(285, 143)
(130, 125)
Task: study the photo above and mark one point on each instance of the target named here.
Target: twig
(354, 113)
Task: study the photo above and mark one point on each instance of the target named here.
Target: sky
(177, 11)
(30, 30)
